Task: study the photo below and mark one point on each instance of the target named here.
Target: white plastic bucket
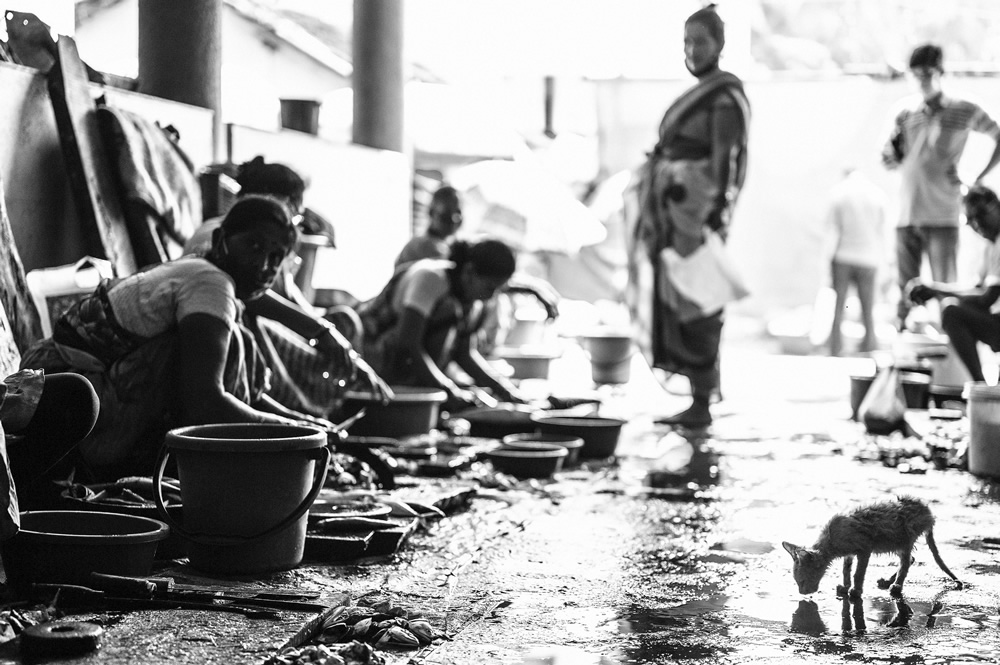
(54, 290)
(984, 428)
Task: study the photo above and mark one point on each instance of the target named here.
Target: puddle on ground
(730, 598)
(728, 625)
(683, 468)
(563, 655)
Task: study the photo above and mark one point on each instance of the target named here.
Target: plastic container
(497, 423)
(527, 363)
(173, 547)
(916, 390)
(600, 435)
(535, 460)
(610, 357)
(412, 411)
(301, 115)
(528, 327)
(307, 249)
(246, 490)
(608, 348)
(611, 373)
(984, 428)
(571, 443)
(54, 290)
(66, 546)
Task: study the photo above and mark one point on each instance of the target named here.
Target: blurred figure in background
(444, 221)
(926, 143)
(970, 315)
(687, 190)
(444, 218)
(430, 314)
(855, 227)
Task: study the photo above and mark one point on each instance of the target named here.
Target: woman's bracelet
(324, 329)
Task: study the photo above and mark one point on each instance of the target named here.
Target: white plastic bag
(54, 290)
(707, 276)
(884, 406)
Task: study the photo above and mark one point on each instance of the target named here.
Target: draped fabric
(157, 181)
(448, 324)
(137, 382)
(667, 204)
(303, 378)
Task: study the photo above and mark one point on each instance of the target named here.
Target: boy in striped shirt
(926, 144)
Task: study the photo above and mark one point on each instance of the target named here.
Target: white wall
(257, 68)
(364, 192)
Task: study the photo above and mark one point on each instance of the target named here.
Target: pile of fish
(382, 625)
(354, 653)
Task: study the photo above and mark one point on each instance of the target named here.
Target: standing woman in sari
(685, 191)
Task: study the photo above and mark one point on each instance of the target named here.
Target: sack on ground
(884, 407)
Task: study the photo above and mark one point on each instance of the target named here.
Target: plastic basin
(570, 442)
(413, 410)
(497, 423)
(534, 460)
(527, 364)
(66, 546)
(600, 435)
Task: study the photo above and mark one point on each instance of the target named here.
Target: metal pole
(180, 54)
(378, 74)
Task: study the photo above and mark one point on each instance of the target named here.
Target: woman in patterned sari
(165, 347)
(429, 315)
(686, 190)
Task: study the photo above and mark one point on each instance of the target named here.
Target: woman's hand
(918, 293)
(371, 383)
(313, 421)
(332, 344)
(463, 399)
(483, 398)
(512, 395)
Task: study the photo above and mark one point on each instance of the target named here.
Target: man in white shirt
(969, 315)
(926, 144)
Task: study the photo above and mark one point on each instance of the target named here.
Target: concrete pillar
(180, 54)
(378, 74)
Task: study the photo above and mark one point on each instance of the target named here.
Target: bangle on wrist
(314, 337)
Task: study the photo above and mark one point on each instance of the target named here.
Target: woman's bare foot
(696, 415)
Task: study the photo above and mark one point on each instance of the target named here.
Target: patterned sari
(137, 382)
(449, 324)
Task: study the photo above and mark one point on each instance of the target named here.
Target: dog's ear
(794, 550)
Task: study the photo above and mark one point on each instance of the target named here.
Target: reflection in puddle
(639, 620)
(806, 619)
(704, 585)
(685, 468)
(562, 655)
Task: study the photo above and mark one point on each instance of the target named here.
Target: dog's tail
(932, 546)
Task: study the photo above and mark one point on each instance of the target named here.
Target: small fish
(399, 508)
(340, 524)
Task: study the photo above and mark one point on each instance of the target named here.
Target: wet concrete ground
(613, 571)
(599, 566)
